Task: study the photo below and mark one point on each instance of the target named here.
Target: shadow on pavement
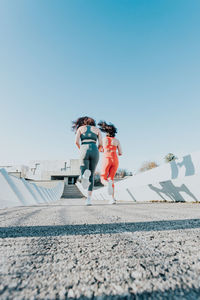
(49, 205)
(186, 294)
(89, 229)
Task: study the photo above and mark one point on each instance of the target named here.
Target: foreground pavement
(124, 251)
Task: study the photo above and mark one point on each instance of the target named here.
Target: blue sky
(135, 63)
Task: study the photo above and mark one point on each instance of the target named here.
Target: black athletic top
(89, 136)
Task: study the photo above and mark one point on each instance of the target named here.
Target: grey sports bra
(88, 136)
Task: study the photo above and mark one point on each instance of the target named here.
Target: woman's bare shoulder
(116, 141)
(82, 129)
(95, 129)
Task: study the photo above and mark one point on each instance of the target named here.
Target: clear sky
(135, 63)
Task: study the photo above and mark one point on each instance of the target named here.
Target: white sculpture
(19, 192)
(177, 180)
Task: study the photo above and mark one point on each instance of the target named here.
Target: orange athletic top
(109, 149)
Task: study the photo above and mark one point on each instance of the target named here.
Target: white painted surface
(19, 192)
(47, 183)
(7, 195)
(45, 169)
(175, 181)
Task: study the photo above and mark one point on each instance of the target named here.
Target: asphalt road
(125, 251)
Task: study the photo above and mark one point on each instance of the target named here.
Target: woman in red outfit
(110, 157)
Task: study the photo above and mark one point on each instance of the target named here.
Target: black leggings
(89, 157)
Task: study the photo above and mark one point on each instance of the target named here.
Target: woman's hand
(100, 148)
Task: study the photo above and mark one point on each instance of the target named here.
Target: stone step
(71, 191)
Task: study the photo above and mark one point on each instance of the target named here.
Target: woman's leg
(93, 161)
(106, 164)
(113, 170)
(84, 158)
(84, 165)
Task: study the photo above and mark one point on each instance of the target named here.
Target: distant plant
(148, 165)
(169, 157)
(121, 173)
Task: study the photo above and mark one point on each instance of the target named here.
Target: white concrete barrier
(175, 181)
(19, 192)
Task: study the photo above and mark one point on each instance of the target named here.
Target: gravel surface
(125, 251)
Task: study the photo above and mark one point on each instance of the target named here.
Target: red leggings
(109, 167)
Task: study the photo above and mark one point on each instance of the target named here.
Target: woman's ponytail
(110, 129)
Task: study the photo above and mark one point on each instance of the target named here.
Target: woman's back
(110, 146)
(88, 134)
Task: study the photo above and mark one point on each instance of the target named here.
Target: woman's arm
(100, 146)
(119, 148)
(77, 138)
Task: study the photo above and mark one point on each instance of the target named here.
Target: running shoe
(85, 179)
(88, 201)
(112, 201)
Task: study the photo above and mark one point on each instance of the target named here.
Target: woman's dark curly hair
(82, 121)
(110, 129)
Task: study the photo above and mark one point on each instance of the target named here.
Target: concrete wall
(47, 183)
(19, 192)
(16, 170)
(44, 170)
(175, 181)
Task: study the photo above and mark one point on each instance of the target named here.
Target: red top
(109, 149)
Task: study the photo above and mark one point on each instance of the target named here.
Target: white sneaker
(88, 201)
(110, 187)
(112, 201)
(85, 179)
